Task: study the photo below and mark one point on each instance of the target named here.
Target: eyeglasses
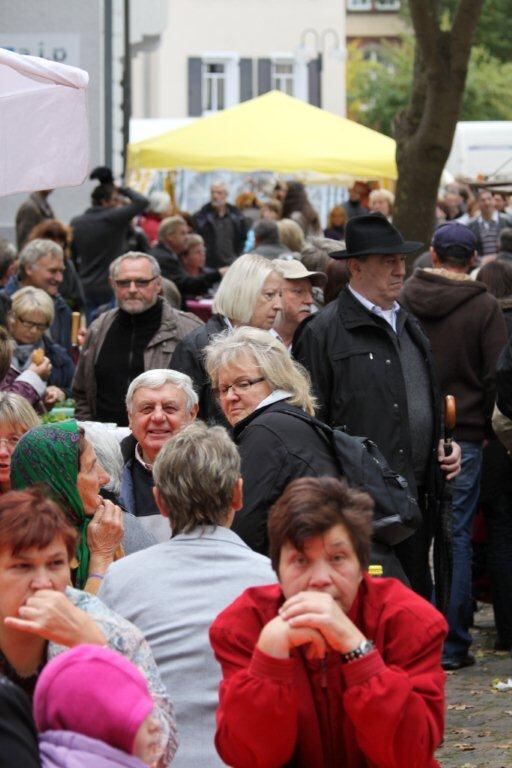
(237, 387)
(29, 325)
(137, 283)
(10, 442)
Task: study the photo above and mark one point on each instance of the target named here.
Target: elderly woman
(266, 398)
(42, 615)
(16, 417)
(59, 456)
(334, 668)
(382, 201)
(31, 315)
(250, 295)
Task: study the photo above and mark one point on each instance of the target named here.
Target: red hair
(30, 519)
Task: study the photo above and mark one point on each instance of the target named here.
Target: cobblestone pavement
(478, 730)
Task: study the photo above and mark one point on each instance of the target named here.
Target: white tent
(44, 137)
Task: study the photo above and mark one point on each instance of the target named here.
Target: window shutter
(314, 82)
(195, 101)
(264, 76)
(245, 79)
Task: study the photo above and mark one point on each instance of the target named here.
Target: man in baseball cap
(297, 297)
(467, 331)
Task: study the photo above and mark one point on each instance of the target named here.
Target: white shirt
(389, 315)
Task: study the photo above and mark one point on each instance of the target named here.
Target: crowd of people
(252, 544)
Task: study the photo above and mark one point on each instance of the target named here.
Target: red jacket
(385, 710)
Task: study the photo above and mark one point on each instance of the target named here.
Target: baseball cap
(452, 233)
(295, 270)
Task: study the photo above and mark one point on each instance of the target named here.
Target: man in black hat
(372, 372)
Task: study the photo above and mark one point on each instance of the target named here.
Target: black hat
(373, 234)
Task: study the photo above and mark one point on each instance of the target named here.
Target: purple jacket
(12, 383)
(65, 749)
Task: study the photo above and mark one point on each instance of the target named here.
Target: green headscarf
(50, 454)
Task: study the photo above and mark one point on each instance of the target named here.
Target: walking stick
(450, 419)
(443, 555)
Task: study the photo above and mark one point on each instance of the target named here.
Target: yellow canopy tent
(273, 132)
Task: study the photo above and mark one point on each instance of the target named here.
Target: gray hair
(159, 201)
(196, 473)
(169, 225)
(157, 378)
(266, 231)
(16, 411)
(107, 449)
(30, 299)
(132, 256)
(241, 287)
(271, 357)
(38, 249)
(291, 235)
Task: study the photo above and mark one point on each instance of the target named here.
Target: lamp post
(322, 51)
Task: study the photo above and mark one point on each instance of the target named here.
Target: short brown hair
(30, 519)
(310, 506)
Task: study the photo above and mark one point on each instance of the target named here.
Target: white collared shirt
(389, 315)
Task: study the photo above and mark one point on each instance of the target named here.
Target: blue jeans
(465, 494)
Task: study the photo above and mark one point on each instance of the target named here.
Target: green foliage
(376, 91)
(493, 30)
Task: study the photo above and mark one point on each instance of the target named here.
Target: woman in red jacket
(330, 667)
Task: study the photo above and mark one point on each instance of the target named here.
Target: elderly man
(41, 265)
(172, 240)
(266, 241)
(124, 342)
(296, 297)
(372, 371)
(174, 591)
(222, 227)
(159, 404)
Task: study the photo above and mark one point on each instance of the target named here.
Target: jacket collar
(210, 533)
(353, 314)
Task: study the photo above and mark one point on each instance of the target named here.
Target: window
(373, 5)
(283, 77)
(214, 86)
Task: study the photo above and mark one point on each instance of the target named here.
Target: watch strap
(363, 649)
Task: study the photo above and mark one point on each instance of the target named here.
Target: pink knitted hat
(93, 691)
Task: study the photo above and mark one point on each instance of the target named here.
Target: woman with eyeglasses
(259, 388)
(31, 315)
(16, 417)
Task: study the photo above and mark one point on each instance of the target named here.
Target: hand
(43, 369)
(319, 611)
(104, 535)
(53, 395)
(52, 615)
(451, 464)
(277, 638)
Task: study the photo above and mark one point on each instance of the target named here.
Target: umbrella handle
(450, 419)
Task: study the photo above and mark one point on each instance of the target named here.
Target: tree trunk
(424, 129)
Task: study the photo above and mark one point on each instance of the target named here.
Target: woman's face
(337, 218)
(239, 397)
(28, 328)
(91, 478)
(268, 303)
(10, 434)
(195, 258)
(379, 205)
(328, 564)
(27, 572)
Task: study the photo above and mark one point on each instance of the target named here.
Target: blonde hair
(271, 357)
(32, 299)
(291, 234)
(383, 194)
(241, 287)
(15, 411)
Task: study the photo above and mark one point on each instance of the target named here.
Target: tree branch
(463, 29)
(424, 16)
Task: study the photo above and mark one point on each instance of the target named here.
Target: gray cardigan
(173, 592)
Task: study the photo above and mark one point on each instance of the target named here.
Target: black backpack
(396, 515)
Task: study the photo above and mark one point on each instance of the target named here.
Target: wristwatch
(363, 649)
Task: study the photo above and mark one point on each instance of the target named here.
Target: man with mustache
(296, 297)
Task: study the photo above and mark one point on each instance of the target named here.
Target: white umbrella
(44, 135)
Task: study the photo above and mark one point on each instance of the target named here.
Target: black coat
(188, 357)
(173, 269)
(204, 225)
(357, 377)
(275, 449)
